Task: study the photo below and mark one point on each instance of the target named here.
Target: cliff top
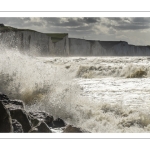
(8, 29)
(54, 36)
(57, 36)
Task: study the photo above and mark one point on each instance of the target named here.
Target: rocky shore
(15, 119)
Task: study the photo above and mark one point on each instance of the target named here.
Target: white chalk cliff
(41, 44)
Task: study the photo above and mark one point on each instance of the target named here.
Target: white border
(75, 135)
(75, 14)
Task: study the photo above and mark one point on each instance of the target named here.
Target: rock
(17, 127)
(58, 123)
(41, 127)
(5, 119)
(3, 97)
(22, 117)
(41, 116)
(14, 104)
(2, 25)
(34, 121)
(72, 129)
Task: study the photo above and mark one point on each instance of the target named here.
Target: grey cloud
(141, 20)
(114, 18)
(91, 20)
(131, 27)
(137, 23)
(71, 22)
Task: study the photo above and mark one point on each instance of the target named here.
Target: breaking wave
(48, 84)
(129, 71)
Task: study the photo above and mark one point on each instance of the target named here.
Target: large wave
(47, 84)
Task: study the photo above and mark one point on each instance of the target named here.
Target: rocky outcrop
(41, 127)
(5, 119)
(14, 118)
(58, 123)
(41, 116)
(3, 97)
(72, 129)
(22, 117)
(17, 127)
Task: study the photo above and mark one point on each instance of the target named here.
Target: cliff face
(124, 49)
(33, 43)
(40, 44)
(81, 47)
(61, 48)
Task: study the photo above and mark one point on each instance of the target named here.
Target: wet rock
(72, 129)
(3, 97)
(58, 123)
(41, 127)
(14, 104)
(17, 127)
(5, 119)
(34, 121)
(22, 117)
(41, 116)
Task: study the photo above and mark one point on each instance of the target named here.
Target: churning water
(98, 94)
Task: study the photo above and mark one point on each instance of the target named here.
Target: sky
(134, 30)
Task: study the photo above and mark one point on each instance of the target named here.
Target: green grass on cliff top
(57, 36)
(54, 36)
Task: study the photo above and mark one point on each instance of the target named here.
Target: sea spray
(46, 84)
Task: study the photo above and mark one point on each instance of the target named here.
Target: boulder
(72, 129)
(57, 123)
(34, 121)
(3, 97)
(14, 104)
(22, 117)
(41, 127)
(17, 127)
(5, 119)
(2, 25)
(41, 116)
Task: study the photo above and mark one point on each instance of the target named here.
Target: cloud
(137, 23)
(104, 28)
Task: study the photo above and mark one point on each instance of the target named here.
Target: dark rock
(33, 130)
(41, 127)
(41, 116)
(58, 123)
(14, 104)
(17, 126)
(5, 119)
(34, 121)
(72, 129)
(3, 97)
(2, 25)
(22, 117)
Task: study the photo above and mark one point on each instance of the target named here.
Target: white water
(93, 93)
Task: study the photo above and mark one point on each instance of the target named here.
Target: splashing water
(114, 98)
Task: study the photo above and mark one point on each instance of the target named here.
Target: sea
(102, 94)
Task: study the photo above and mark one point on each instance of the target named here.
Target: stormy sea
(99, 94)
